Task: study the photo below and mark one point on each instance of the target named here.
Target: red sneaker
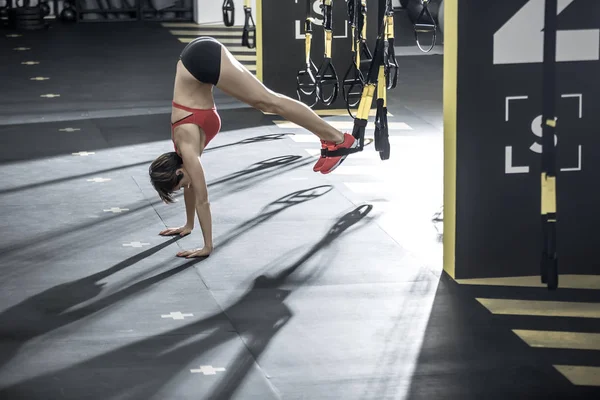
(332, 163)
(321, 161)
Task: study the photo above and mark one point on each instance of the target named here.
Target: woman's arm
(190, 206)
(189, 150)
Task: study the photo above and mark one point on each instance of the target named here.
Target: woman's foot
(327, 164)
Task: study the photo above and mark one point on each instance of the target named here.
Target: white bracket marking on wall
(507, 102)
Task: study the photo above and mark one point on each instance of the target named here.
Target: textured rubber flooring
(90, 68)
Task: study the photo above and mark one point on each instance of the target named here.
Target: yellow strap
(307, 43)
(381, 86)
(247, 3)
(365, 102)
(548, 194)
(364, 13)
(328, 38)
(551, 122)
(390, 27)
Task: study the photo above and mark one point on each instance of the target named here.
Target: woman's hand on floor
(203, 252)
(181, 231)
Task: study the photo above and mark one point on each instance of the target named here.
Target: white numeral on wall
(521, 39)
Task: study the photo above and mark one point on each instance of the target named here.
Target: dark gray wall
(498, 200)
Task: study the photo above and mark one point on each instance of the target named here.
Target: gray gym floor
(320, 287)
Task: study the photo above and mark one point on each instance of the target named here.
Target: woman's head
(168, 175)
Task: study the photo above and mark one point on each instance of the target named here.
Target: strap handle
(249, 33)
(228, 12)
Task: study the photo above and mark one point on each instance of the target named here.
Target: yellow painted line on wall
(541, 308)
(259, 41)
(345, 125)
(566, 281)
(580, 375)
(559, 340)
(450, 93)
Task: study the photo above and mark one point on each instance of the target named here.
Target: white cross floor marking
(115, 210)
(135, 244)
(69, 129)
(176, 315)
(83, 153)
(207, 370)
(50, 95)
(99, 180)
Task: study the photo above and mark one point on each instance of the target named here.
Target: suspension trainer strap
(353, 77)
(228, 12)
(327, 74)
(382, 142)
(367, 57)
(366, 100)
(391, 65)
(249, 34)
(549, 260)
(305, 79)
(425, 27)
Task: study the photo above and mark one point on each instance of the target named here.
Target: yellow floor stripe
(242, 57)
(206, 32)
(542, 308)
(310, 138)
(345, 125)
(340, 112)
(560, 340)
(240, 49)
(357, 170)
(367, 153)
(580, 375)
(565, 281)
(179, 25)
(226, 41)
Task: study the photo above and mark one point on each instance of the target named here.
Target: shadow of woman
(141, 370)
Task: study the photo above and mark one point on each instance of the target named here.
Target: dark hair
(163, 175)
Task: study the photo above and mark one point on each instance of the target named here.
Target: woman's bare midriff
(189, 92)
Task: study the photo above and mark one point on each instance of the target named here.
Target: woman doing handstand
(203, 64)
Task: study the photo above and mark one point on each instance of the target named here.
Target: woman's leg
(237, 81)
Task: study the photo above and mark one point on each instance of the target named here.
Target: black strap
(369, 89)
(249, 33)
(549, 259)
(425, 26)
(391, 65)
(327, 75)
(353, 77)
(228, 12)
(306, 83)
